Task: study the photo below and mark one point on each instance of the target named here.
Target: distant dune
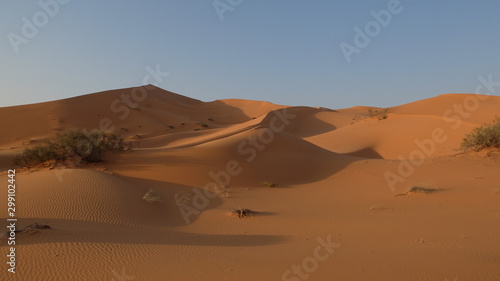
(340, 175)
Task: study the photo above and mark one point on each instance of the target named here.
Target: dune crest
(339, 194)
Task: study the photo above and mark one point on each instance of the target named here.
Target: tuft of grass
(30, 229)
(88, 146)
(151, 196)
(485, 136)
(421, 190)
(182, 198)
(241, 213)
(381, 114)
(270, 184)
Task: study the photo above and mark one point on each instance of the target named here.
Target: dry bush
(270, 184)
(88, 146)
(486, 136)
(421, 190)
(241, 213)
(182, 198)
(381, 114)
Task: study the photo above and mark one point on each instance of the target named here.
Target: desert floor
(341, 209)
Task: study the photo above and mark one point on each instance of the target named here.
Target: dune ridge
(329, 168)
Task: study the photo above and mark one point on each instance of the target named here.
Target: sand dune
(330, 169)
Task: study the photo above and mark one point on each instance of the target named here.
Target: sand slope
(330, 169)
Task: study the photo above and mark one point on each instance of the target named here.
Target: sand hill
(340, 209)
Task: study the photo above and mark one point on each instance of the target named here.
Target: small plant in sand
(357, 118)
(421, 190)
(202, 124)
(181, 198)
(241, 213)
(486, 136)
(269, 184)
(221, 190)
(424, 189)
(381, 114)
(151, 196)
(30, 229)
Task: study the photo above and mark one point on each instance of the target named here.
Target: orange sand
(330, 167)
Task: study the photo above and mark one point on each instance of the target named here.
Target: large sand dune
(330, 168)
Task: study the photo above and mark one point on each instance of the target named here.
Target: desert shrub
(486, 136)
(30, 229)
(182, 198)
(241, 213)
(89, 146)
(36, 155)
(381, 114)
(270, 184)
(421, 190)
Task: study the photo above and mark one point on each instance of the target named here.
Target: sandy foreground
(340, 209)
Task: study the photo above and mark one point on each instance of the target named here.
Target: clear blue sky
(285, 52)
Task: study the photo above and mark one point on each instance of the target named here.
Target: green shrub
(88, 146)
(486, 136)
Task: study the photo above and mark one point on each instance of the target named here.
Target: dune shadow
(258, 213)
(367, 152)
(287, 160)
(303, 121)
(168, 212)
(75, 231)
(226, 114)
(422, 190)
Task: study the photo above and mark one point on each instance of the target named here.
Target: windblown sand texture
(329, 167)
